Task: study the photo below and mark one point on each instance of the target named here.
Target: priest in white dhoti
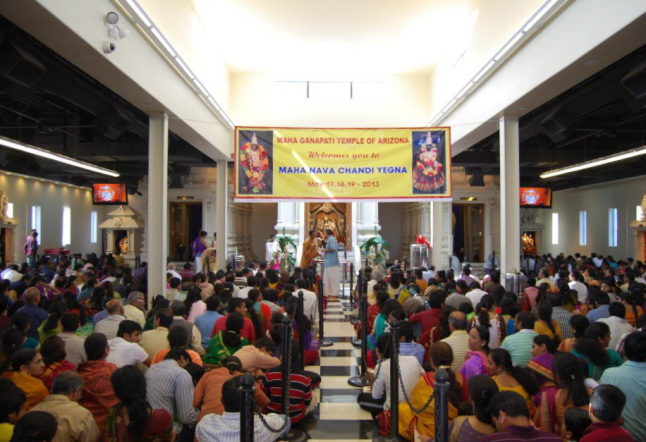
(271, 247)
(332, 270)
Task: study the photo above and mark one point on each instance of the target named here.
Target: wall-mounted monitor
(539, 197)
(109, 194)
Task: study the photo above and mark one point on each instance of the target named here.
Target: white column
(442, 234)
(509, 199)
(221, 202)
(157, 228)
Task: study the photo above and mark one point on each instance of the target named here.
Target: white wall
(263, 221)
(625, 195)
(26, 192)
(258, 100)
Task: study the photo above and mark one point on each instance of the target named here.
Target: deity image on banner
(429, 157)
(529, 243)
(255, 168)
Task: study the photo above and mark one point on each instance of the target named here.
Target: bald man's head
(458, 321)
(32, 295)
(115, 307)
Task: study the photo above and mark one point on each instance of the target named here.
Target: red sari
(158, 428)
(53, 370)
(98, 394)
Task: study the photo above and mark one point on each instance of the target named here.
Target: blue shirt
(412, 349)
(205, 323)
(36, 317)
(631, 379)
(99, 316)
(599, 313)
(331, 259)
(519, 346)
(85, 294)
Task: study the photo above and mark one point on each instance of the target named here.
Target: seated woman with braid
(226, 342)
(423, 423)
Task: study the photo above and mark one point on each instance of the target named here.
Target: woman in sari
(512, 378)
(26, 366)
(226, 342)
(579, 324)
(53, 351)
(471, 428)
(133, 419)
(381, 321)
(424, 423)
(476, 362)
(52, 325)
(594, 349)
(570, 392)
(632, 300)
(543, 350)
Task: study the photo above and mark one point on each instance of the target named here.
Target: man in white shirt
(74, 345)
(226, 427)
(310, 303)
(252, 281)
(576, 284)
(110, 325)
(476, 293)
(616, 323)
(11, 273)
(125, 349)
(271, 247)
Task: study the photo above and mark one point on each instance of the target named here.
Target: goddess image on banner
(255, 163)
(428, 163)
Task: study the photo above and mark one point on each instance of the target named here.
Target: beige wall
(625, 195)
(51, 197)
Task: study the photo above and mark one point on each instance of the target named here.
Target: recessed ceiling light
(83, 56)
(146, 104)
(522, 108)
(592, 62)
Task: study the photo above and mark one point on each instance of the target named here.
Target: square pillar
(157, 228)
(221, 211)
(509, 195)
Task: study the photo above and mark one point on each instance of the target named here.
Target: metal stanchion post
(322, 341)
(441, 394)
(247, 387)
(360, 380)
(294, 434)
(357, 341)
(394, 387)
(300, 319)
(351, 303)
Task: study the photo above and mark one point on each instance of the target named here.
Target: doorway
(185, 226)
(468, 228)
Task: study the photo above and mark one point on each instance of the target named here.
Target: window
(93, 227)
(35, 222)
(583, 228)
(639, 213)
(67, 226)
(10, 210)
(612, 227)
(555, 228)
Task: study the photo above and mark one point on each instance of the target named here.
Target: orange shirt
(161, 354)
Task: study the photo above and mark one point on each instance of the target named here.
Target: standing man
(198, 246)
(310, 250)
(331, 273)
(270, 248)
(31, 249)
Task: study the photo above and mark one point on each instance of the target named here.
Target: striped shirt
(170, 388)
(226, 428)
(300, 392)
(459, 342)
(519, 346)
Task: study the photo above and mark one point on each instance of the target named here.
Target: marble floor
(338, 417)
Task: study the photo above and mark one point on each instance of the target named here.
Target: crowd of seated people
(78, 344)
(84, 359)
(532, 359)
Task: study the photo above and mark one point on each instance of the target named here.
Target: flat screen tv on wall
(109, 194)
(539, 197)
